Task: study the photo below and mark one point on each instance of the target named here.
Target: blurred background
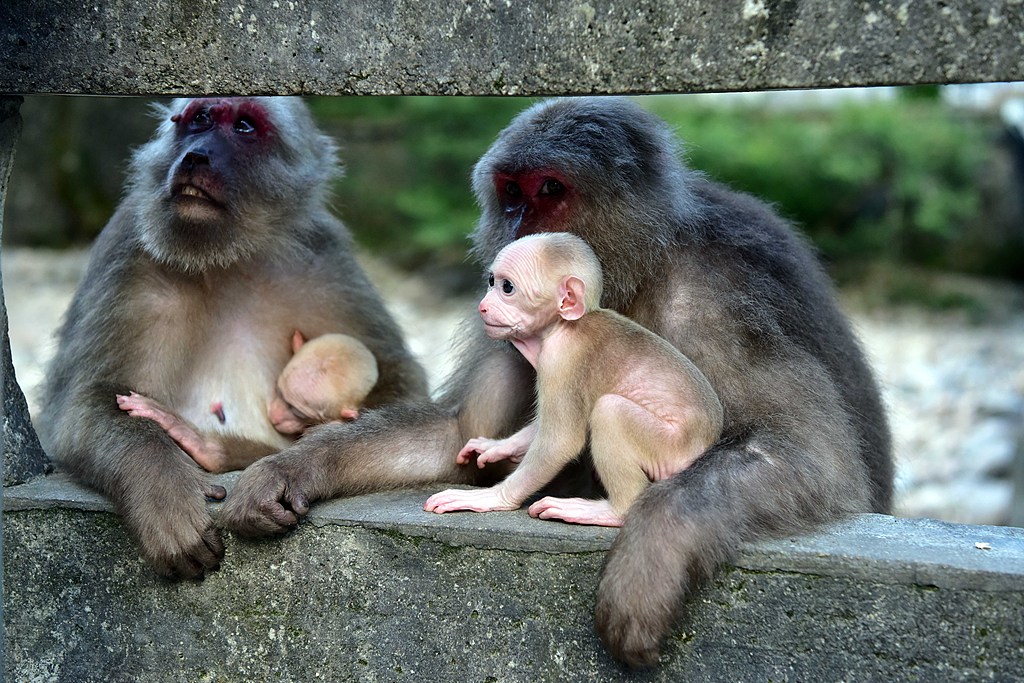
(914, 198)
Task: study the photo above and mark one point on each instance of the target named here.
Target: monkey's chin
(499, 332)
(196, 210)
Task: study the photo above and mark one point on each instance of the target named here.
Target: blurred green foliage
(907, 180)
(894, 180)
(407, 192)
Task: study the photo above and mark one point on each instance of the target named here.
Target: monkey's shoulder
(611, 327)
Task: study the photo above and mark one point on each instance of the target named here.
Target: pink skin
(577, 511)
(529, 325)
(207, 454)
(284, 418)
(495, 450)
(290, 420)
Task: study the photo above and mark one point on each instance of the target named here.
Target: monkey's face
(601, 168)
(204, 184)
(287, 418)
(518, 303)
(224, 178)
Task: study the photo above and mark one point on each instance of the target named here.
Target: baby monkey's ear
(571, 296)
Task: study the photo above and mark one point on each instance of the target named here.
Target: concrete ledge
(513, 48)
(373, 588)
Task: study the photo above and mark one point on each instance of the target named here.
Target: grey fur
(160, 293)
(715, 272)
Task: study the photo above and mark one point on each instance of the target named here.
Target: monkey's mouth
(188, 194)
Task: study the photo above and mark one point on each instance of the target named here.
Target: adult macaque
(222, 246)
(648, 411)
(326, 380)
(715, 273)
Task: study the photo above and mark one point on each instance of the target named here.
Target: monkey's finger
(491, 455)
(214, 548)
(194, 562)
(467, 453)
(274, 518)
(299, 503)
(432, 502)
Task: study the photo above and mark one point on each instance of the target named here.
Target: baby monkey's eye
(507, 286)
(490, 280)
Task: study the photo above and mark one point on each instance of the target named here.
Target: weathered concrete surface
(23, 456)
(487, 47)
(375, 589)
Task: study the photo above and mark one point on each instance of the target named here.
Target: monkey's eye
(513, 190)
(244, 126)
(490, 280)
(507, 287)
(552, 187)
(201, 121)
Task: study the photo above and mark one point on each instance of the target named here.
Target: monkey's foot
(138, 405)
(474, 500)
(576, 511)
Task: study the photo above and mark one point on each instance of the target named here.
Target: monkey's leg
(623, 438)
(208, 454)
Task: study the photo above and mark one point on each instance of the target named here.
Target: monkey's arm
(399, 445)
(155, 487)
(561, 431)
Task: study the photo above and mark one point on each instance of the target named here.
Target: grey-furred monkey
(327, 380)
(714, 272)
(221, 248)
(647, 411)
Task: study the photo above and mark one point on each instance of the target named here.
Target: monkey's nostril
(193, 159)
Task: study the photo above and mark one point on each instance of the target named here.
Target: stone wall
(372, 588)
(498, 47)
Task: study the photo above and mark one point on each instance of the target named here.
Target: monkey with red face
(717, 274)
(221, 248)
(647, 411)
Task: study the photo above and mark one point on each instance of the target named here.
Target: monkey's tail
(681, 529)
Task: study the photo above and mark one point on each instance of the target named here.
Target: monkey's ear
(297, 341)
(571, 296)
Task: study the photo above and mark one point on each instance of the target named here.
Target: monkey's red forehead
(227, 110)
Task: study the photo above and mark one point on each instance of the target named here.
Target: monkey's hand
(491, 450)
(175, 530)
(269, 498)
(474, 500)
(576, 511)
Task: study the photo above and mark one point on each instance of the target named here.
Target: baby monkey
(648, 410)
(326, 380)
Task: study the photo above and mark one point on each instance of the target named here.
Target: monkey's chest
(232, 376)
